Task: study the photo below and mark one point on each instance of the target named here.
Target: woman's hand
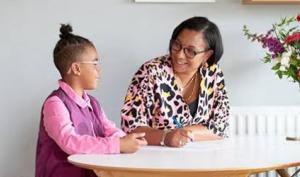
(132, 142)
(177, 138)
(201, 133)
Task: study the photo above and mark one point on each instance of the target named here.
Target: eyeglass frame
(185, 49)
(89, 62)
(95, 63)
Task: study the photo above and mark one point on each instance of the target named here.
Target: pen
(179, 125)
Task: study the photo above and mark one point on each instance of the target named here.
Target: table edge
(249, 170)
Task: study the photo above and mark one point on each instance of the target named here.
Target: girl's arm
(58, 125)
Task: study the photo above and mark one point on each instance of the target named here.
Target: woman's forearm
(201, 133)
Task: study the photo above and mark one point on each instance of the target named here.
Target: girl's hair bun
(65, 31)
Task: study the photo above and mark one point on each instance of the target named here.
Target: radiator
(266, 120)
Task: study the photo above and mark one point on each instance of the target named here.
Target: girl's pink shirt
(60, 128)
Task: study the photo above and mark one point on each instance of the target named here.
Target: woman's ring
(180, 143)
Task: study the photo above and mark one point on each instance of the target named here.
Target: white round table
(239, 157)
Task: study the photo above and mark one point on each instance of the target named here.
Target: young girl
(73, 121)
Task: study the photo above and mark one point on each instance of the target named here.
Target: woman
(181, 97)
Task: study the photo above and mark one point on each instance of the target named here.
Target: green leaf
(267, 58)
(276, 67)
(279, 73)
(294, 61)
(291, 30)
(282, 35)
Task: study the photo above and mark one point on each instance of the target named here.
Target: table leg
(103, 173)
(282, 173)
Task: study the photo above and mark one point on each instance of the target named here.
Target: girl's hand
(132, 142)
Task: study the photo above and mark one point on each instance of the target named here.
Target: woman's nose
(180, 54)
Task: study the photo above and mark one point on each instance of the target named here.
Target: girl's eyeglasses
(95, 63)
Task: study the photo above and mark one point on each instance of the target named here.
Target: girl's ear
(75, 69)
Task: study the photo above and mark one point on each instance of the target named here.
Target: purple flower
(273, 45)
(274, 56)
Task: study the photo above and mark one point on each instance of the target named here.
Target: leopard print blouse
(154, 99)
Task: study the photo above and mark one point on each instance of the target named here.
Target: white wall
(126, 34)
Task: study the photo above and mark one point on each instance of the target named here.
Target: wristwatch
(162, 141)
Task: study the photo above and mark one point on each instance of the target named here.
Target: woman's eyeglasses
(189, 52)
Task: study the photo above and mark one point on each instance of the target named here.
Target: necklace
(189, 82)
(193, 89)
